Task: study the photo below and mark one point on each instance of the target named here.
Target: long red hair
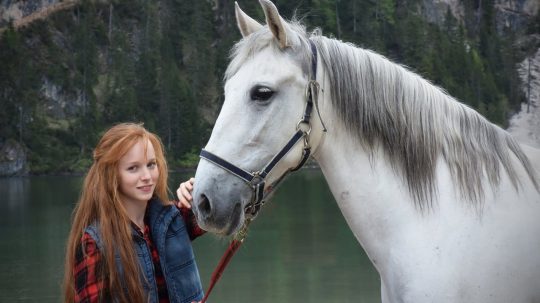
(100, 203)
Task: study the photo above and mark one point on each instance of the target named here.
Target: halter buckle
(304, 126)
(257, 179)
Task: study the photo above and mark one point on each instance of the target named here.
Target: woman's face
(138, 173)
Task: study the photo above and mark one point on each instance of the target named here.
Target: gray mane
(415, 123)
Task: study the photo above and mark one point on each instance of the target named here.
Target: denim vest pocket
(186, 282)
(177, 226)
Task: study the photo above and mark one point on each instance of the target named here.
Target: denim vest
(170, 236)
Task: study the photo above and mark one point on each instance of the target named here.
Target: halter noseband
(257, 180)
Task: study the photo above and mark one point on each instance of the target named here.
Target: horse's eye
(261, 93)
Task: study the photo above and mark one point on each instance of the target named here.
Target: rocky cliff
(525, 125)
(515, 14)
(512, 15)
(21, 12)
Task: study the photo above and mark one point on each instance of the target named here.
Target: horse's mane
(383, 104)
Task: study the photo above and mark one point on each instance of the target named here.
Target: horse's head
(265, 98)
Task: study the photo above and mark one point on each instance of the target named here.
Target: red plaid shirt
(90, 284)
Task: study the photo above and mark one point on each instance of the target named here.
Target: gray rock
(12, 159)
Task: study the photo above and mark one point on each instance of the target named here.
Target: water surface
(298, 250)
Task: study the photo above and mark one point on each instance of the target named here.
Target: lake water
(299, 249)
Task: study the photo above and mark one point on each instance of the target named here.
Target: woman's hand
(184, 193)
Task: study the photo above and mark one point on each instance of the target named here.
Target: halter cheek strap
(257, 180)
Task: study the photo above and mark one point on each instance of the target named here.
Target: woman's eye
(261, 93)
(152, 165)
(132, 168)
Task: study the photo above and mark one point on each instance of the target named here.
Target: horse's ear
(245, 23)
(277, 25)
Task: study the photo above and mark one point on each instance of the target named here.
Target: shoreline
(311, 165)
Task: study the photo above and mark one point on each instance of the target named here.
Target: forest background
(67, 77)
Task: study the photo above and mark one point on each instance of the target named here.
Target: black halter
(257, 180)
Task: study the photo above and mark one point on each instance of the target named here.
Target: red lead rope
(226, 258)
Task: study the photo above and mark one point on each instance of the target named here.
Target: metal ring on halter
(257, 178)
(305, 131)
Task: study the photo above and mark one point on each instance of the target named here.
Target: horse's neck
(372, 198)
(402, 241)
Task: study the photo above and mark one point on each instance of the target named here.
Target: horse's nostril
(205, 208)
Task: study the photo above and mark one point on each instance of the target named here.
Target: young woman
(127, 242)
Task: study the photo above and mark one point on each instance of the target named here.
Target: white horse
(446, 204)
